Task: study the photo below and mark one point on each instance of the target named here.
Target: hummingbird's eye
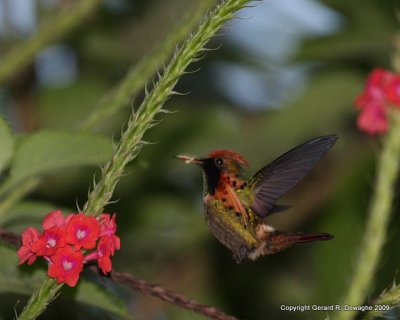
(219, 161)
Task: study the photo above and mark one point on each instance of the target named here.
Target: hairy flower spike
(129, 144)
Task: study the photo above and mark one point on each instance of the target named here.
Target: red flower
(382, 89)
(375, 88)
(393, 91)
(49, 242)
(62, 240)
(108, 243)
(108, 225)
(82, 231)
(105, 249)
(29, 236)
(373, 119)
(66, 265)
(108, 229)
(54, 218)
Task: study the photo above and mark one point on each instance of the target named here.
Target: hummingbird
(235, 209)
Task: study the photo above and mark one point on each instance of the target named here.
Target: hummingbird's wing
(282, 174)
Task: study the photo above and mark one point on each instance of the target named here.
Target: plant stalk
(61, 24)
(132, 138)
(379, 217)
(390, 298)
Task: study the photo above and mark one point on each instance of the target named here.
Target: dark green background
(160, 222)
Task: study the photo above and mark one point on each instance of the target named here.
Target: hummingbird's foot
(273, 241)
(241, 255)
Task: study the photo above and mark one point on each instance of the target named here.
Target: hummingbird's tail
(300, 238)
(273, 241)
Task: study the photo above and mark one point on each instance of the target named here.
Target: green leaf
(50, 150)
(93, 294)
(6, 143)
(25, 279)
(28, 213)
(14, 279)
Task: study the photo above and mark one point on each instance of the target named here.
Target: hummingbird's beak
(188, 159)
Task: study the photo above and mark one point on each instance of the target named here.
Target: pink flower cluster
(381, 91)
(63, 239)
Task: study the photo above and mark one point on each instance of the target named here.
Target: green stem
(40, 299)
(376, 229)
(389, 298)
(128, 87)
(131, 140)
(16, 194)
(24, 53)
(138, 74)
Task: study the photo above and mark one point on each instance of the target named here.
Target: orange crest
(229, 155)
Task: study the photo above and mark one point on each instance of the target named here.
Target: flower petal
(372, 119)
(54, 218)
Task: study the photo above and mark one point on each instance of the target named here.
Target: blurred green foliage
(164, 237)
